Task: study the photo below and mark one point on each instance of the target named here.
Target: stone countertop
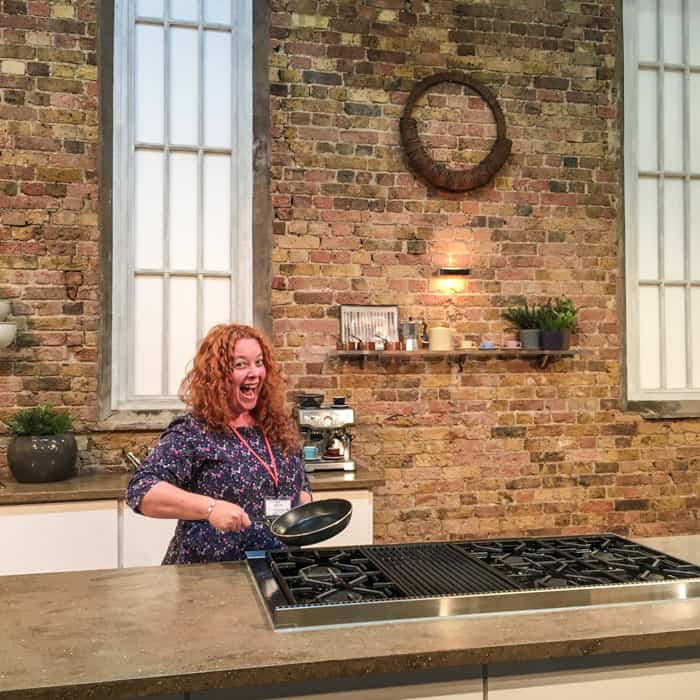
(104, 485)
(129, 632)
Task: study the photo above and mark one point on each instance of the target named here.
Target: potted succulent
(526, 320)
(43, 448)
(557, 321)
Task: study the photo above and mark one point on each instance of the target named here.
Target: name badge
(277, 506)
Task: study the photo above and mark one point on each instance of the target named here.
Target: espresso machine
(325, 434)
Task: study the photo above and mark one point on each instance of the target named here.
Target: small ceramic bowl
(8, 331)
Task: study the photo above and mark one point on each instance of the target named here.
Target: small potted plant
(557, 321)
(43, 448)
(526, 320)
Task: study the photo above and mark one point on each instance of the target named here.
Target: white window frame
(123, 248)
(635, 331)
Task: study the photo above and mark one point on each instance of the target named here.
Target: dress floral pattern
(196, 458)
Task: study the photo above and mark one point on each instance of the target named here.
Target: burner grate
(330, 576)
(588, 560)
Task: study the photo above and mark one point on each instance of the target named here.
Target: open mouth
(249, 392)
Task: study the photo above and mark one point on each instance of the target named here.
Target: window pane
(694, 228)
(648, 228)
(673, 121)
(148, 217)
(695, 335)
(648, 100)
(184, 87)
(148, 336)
(649, 356)
(187, 10)
(694, 22)
(217, 89)
(149, 8)
(217, 302)
(217, 212)
(182, 340)
(694, 99)
(675, 337)
(673, 230)
(647, 25)
(149, 84)
(672, 13)
(183, 211)
(217, 11)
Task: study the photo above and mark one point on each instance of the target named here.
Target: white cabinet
(143, 540)
(360, 528)
(45, 537)
(679, 680)
(82, 535)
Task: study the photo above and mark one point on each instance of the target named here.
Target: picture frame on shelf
(367, 323)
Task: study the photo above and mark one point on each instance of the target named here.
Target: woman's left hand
(305, 497)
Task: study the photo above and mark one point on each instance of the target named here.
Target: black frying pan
(313, 522)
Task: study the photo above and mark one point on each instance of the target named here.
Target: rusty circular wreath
(437, 174)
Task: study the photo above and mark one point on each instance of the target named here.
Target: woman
(234, 458)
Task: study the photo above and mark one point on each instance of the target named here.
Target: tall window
(662, 198)
(182, 241)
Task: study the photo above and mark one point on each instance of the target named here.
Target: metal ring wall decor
(437, 174)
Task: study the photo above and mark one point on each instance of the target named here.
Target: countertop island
(154, 631)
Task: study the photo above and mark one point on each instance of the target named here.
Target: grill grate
(436, 569)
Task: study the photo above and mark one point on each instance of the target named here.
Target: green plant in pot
(43, 448)
(558, 319)
(526, 320)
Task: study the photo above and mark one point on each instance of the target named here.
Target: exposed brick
(313, 76)
(551, 83)
(14, 7)
(364, 110)
(508, 431)
(416, 247)
(632, 504)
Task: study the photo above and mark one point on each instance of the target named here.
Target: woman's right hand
(228, 517)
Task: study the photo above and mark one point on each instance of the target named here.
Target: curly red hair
(206, 391)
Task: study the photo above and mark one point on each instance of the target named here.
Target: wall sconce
(8, 330)
(451, 279)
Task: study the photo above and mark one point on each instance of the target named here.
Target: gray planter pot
(35, 459)
(530, 338)
(565, 338)
(556, 340)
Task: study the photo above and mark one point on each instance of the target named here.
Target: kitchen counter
(106, 485)
(133, 632)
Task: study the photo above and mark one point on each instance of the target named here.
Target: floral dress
(193, 457)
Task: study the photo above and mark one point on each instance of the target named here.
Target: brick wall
(49, 239)
(501, 447)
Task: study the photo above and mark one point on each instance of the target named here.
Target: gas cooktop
(327, 586)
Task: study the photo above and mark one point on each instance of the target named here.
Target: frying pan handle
(262, 521)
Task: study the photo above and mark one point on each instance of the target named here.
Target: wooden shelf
(543, 356)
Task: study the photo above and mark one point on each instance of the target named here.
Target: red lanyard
(272, 468)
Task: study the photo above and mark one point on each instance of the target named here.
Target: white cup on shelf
(440, 338)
